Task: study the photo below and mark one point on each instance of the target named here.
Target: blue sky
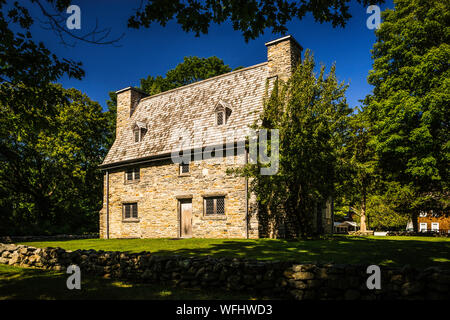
(156, 50)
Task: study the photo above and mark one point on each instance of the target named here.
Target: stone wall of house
(276, 279)
(157, 194)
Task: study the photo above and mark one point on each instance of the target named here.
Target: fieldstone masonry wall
(157, 193)
(276, 279)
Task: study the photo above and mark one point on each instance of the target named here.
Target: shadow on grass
(387, 251)
(30, 284)
(357, 250)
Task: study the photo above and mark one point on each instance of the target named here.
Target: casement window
(435, 226)
(139, 134)
(214, 205)
(423, 227)
(130, 210)
(184, 168)
(132, 174)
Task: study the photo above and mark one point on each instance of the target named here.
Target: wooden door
(186, 218)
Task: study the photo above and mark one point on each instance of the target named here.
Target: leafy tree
(311, 114)
(51, 139)
(192, 69)
(382, 214)
(409, 105)
(358, 177)
(250, 17)
(49, 159)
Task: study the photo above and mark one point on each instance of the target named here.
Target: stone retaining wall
(277, 279)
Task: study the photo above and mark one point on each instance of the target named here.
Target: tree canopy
(192, 69)
(252, 18)
(52, 141)
(409, 107)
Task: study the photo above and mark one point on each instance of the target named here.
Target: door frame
(180, 218)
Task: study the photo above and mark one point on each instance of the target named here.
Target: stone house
(153, 190)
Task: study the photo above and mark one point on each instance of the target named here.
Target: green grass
(390, 251)
(26, 283)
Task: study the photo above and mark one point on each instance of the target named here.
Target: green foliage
(409, 105)
(311, 114)
(383, 216)
(192, 69)
(52, 141)
(250, 17)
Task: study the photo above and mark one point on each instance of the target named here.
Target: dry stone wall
(277, 279)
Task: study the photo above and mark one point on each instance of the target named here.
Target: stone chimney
(127, 101)
(283, 55)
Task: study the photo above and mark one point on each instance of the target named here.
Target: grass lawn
(389, 251)
(26, 283)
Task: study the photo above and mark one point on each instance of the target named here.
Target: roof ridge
(205, 80)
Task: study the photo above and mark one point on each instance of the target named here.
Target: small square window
(133, 174)
(214, 205)
(130, 210)
(184, 168)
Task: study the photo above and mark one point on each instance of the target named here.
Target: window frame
(135, 171)
(215, 213)
(133, 205)
(180, 168)
(423, 229)
(141, 133)
(435, 224)
(224, 121)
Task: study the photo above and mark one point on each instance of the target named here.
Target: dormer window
(220, 118)
(139, 130)
(139, 134)
(223, 112)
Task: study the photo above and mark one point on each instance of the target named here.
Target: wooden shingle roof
(186, 115)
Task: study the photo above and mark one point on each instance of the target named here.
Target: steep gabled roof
(185, 117)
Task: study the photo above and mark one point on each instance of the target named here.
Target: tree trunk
(363, 226)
